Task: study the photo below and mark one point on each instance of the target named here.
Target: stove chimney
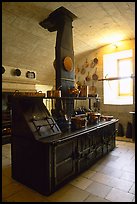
(60, 20)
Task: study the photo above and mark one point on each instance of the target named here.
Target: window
(120, 65)
(125, 85)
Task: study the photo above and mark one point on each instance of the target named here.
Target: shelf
(76, 98)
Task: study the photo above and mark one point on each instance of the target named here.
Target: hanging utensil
(95, 76)
(94, 62)
(92, 91)
(88, 77)
(83, 70)
(77, 69)
(86, 64)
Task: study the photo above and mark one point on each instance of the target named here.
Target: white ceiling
(97, 24)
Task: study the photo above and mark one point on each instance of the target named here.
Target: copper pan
(92, 91)
(54, 93)
(95, 76)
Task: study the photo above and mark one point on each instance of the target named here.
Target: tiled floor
(111, 179)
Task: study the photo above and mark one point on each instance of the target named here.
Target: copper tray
(68, 64)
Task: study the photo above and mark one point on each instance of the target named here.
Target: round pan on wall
(68, 64)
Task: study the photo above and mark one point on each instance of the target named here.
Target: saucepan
(83, 91)
(92, 90)
(95, 76)
(54, 93)
(73, 91)
(78, 122)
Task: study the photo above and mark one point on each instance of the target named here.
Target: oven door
(64, 161)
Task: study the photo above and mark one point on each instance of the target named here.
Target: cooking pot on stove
(78, 122)
(93, 117)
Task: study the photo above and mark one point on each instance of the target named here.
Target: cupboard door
(111, 137)
(64, 161)
(86, 152)
(97, 142)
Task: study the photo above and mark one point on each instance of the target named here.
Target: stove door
(86, 151)
(64, 161)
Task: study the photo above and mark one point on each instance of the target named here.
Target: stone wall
(118, 111)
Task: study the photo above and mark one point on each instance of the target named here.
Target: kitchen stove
(45, 126)
(32, 111)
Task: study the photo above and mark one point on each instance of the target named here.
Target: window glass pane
(125, 87)
(125, 69)
(118, 64)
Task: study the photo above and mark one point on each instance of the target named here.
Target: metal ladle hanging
(95, 76)
(94, 62)
(88, 77)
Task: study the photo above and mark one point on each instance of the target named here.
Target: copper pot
(74, 91)
(78, 122)
(92, 91)
(93, 117)
(54, 93)
(95, 76)
(83, 91)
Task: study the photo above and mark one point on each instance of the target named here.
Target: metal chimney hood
(60, 20)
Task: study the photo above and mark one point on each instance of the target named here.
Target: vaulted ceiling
(26, 43)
